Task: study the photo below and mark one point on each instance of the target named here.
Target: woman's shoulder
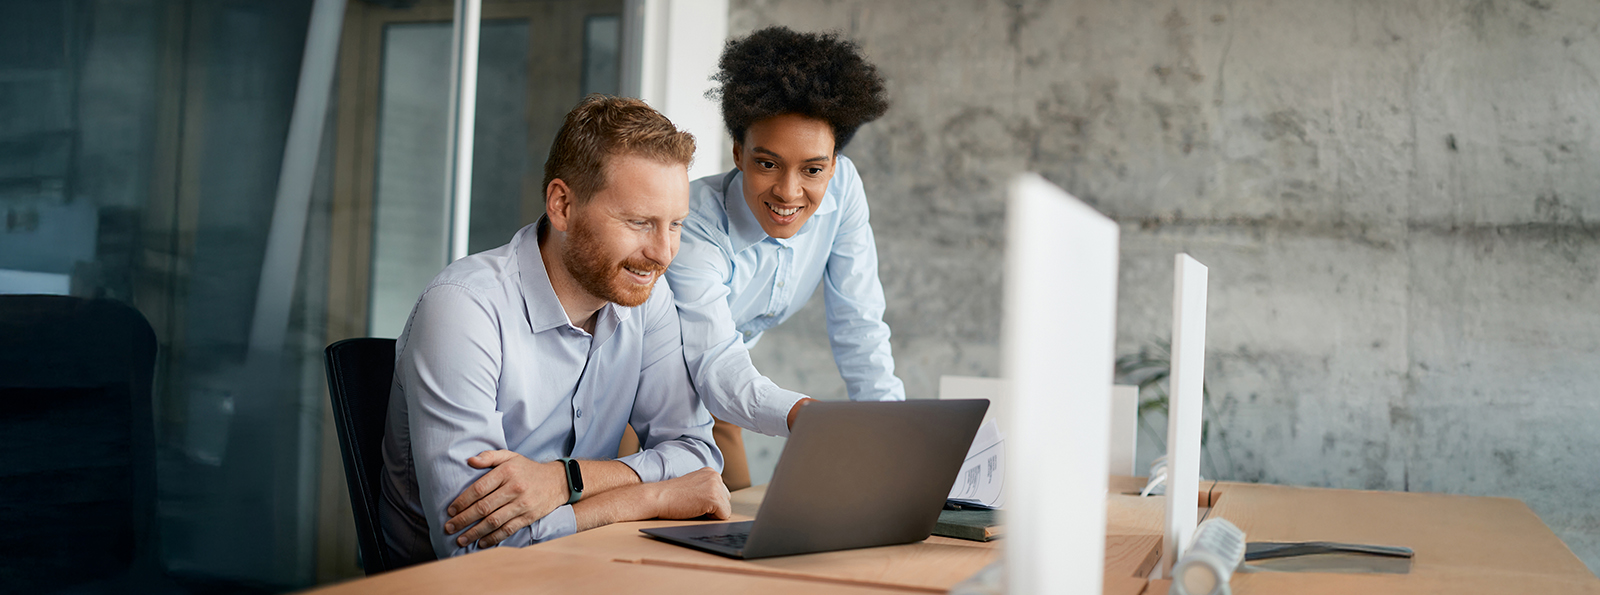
(845, 164)
(846, 185)
(708, 213)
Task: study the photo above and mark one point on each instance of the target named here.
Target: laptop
(852, 475)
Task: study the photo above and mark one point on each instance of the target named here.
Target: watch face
(574, 476)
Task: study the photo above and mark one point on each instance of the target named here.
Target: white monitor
(1057, 342)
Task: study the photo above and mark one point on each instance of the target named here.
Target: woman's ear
(738, 149)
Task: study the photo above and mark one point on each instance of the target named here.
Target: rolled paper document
(1206, 567)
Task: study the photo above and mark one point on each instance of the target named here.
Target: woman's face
(787, 162)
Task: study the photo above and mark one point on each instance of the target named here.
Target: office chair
(360, 373)
(77, 446)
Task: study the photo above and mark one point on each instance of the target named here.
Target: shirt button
(780, 284)
(747, 333)
(580, 413)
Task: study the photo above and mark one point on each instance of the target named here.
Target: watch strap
(574, 476)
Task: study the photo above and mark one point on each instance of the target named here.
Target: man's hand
(694, 495)
(795, 410)
(512, 496)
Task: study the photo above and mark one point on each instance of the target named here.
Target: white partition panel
(1124, 429)
(1058, 338)
(1184, 408)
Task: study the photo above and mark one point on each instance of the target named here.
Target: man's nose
(661, 246)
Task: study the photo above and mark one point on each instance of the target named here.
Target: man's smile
(641, 276)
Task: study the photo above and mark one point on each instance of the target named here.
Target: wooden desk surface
(1463, 545)
(509, 570)
(933, 565)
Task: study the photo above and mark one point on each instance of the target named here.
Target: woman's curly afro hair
(777, 71)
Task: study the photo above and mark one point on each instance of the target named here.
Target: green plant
(1149, 369)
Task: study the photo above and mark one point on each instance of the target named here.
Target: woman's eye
(814, 171)
(767, 164)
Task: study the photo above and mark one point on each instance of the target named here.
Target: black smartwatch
(574, 479)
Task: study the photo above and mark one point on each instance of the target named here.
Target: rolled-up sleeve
(855, 304)
(450, 366)
(718, 363)
(673, 426)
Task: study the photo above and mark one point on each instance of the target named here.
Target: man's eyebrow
(765, 151)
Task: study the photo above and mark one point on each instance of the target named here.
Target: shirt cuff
(650, 464)
(778, 402)
(561, 522)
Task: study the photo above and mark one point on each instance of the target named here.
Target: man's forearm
(631, 503)
(696, 494)
(603, 476)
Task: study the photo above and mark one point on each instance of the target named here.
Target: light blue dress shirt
(488, 360)
(733, 282)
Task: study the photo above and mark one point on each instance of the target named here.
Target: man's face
(622, 240)
(787, 162)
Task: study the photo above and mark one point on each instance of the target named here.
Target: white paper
(974, 387)
(982, 480)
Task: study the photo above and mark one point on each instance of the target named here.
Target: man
(546, 348)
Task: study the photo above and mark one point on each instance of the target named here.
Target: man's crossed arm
(518, 491)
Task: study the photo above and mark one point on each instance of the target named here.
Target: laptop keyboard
(732, 540)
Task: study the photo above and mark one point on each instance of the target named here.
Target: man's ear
(738, 149)
(558, 204)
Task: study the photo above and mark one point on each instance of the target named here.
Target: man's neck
(577, 303)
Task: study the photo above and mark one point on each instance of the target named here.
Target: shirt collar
(744, 230)
(539, 299)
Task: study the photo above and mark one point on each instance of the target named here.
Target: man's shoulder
(486, 274)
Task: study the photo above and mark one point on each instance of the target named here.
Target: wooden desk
(931, 566)
(509, 571)
(1463, 545)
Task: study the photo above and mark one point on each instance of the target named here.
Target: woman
(791, 215)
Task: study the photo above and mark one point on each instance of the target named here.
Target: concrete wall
(1397, 201)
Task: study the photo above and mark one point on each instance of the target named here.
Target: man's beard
(587, 262)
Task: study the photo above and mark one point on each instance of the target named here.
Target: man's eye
(677, 225)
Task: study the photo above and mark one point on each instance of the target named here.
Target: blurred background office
(1397, 201)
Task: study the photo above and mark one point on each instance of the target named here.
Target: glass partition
(141, 143)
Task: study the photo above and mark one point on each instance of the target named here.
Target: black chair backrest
(77, 443)
(360, 374)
